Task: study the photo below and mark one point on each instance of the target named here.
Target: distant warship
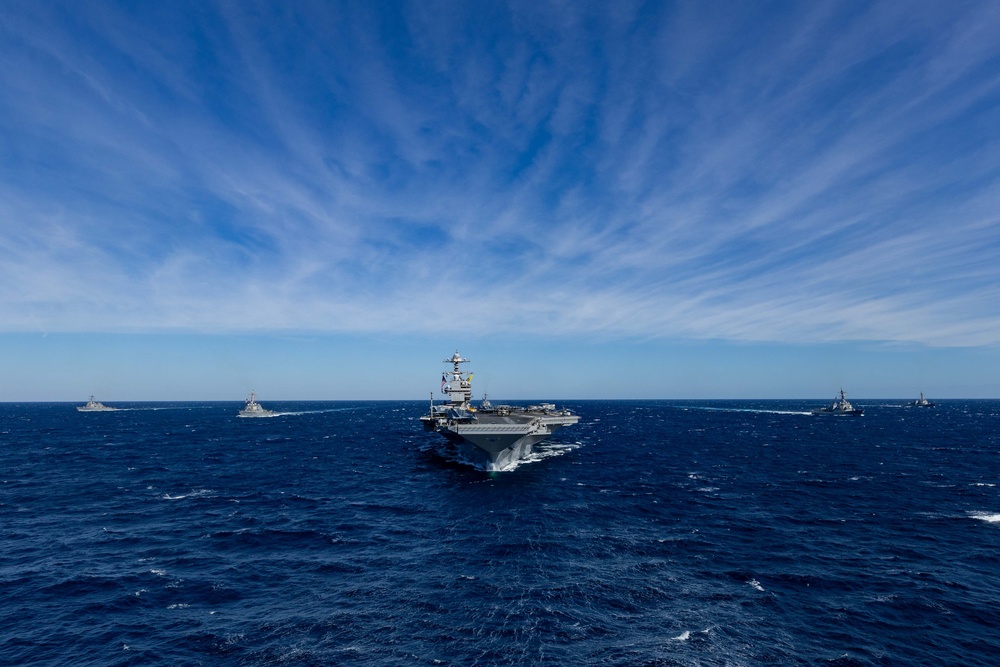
(488, 436)
(255, 409)
(840, 406)
(922, 402)
(94, 406)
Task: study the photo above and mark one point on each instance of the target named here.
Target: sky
(324, 200)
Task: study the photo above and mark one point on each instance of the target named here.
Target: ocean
(651, 533)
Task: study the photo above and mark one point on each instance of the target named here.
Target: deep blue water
(652, 533)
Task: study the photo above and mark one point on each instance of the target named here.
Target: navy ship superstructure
(95, 406)
(841, 407)
(490, 437)
(254, 409)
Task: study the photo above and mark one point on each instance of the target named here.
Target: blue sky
(625, 200)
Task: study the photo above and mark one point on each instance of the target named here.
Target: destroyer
(255, 409)
(840, 406)
(490, 437)
(94, 406)
(922, 402)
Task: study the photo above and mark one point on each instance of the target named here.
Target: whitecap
(686, 635)
(194, 494)
(985, 516)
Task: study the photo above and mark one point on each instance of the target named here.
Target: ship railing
(496, 428)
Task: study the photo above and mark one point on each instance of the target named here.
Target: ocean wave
(199, 493)
(340, 539)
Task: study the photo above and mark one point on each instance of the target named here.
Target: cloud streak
(821, 176)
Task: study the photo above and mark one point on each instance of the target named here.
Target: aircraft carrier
(487, 436)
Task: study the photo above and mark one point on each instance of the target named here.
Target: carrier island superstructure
(490, 437)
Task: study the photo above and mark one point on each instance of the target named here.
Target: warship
(255, 409)
(922, 402)
(490, 437)
(840, 406)
(94, 406)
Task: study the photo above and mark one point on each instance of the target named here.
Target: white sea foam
(985, 516)
(544, 451)
(200, 493)
(173, 407)
(755, 410)
(294, 413)
(539, 453)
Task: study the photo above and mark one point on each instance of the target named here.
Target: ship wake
(295, 413)
(450, 453)
(546, 450)
(757, 410)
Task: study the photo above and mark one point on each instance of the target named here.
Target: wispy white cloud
(548, 169)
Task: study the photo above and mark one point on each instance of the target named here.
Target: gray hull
(257, 413)
(498, 443)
